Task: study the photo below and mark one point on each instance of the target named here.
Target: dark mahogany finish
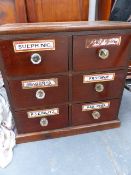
(27, 125)
(68, 62)
(80, 117)
(19, 64)
(88, 58)
(26, 98)
(86, 91)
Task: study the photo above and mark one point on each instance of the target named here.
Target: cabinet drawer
(88, 53)
(88, 113)
(39, 92)
(98, 86)
(54, 58)
(42, 119)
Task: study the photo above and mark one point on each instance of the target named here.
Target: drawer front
(88, 53)
(39, 92)
(94, 112)
(37, 61)
(98, 86)
(42, 119)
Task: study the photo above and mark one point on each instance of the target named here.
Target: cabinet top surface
(20, 28)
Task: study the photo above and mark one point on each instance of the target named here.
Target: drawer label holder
(94, 106)
(41, 83)
(43, 113)
(34, 45)
(98, 77)
(97, 42)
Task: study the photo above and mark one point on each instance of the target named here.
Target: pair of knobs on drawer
(95, 114)
(36, 58)
(40, 94)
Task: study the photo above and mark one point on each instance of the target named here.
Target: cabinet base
(23, 138)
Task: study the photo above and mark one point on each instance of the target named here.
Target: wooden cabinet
(54, 78)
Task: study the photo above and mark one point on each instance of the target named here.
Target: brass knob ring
(103, 53)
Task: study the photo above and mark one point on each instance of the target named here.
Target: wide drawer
(32, 93)
(95, 112)
(91, 52)
(47, 55)
(42, 119)
(98, 86)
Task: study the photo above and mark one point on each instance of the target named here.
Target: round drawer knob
(44, 122)
(40, 94)
(103, 53)
(99, 87)
(36, 58)
(96, 115)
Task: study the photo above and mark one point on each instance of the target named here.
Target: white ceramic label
(35, 45)
(93, 106)
(42, 83)
(97, 42)
(43, 113)
(98, 77)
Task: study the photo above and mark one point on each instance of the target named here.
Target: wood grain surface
(12, 11)
(57, 10)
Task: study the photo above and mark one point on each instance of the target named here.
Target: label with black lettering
(43, 113)
(93, 106)
(98, 77)
(34, 45)
(42, 83)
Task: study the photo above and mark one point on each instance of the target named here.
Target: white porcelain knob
(99, 87)
(40, 94)
(103, 53)
(36, 58)
(44, 122)
(96, 115)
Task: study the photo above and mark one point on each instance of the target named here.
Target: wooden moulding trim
(20, 28)
(23, 138)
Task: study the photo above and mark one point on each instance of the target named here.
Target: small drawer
(93, 52)
(98, 86)
(42, 119)
(49, 58)
(32, 93)
(94, 112)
